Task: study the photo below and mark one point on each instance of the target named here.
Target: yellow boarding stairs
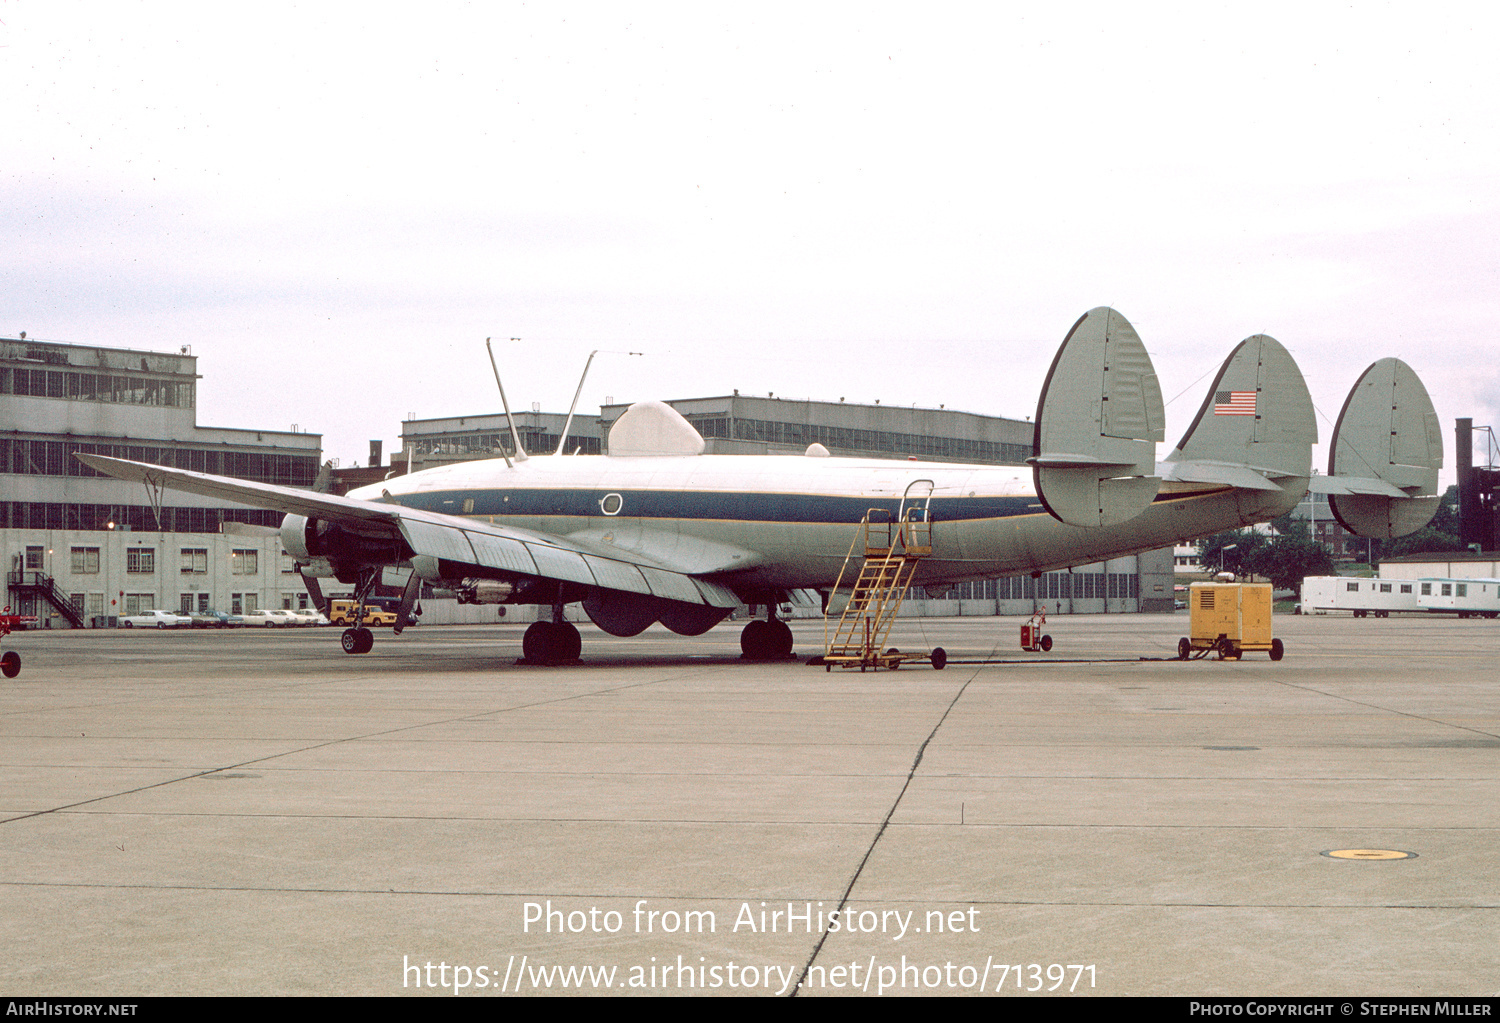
(892, 549)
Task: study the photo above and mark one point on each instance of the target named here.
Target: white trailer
(1322, 594)
(1465, 597)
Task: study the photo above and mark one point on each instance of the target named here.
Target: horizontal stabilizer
(1386, 433)
(1241, 476)
(1257, 415)
(1353, 485)
(1097, 423)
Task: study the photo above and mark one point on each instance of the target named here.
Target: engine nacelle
(298, 535)
(315, 542)
(479, 591)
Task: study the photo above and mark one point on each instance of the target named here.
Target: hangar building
(81, 547)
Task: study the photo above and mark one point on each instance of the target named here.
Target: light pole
(1223, 551)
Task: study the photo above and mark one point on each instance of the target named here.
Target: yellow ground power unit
(1228, 619)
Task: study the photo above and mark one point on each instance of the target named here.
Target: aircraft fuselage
(789, 521)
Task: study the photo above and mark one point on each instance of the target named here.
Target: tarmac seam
(844, 899)
(322, 745)
(470, 893)
(1392, 710)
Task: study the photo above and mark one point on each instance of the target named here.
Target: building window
(34, 559)
(85, 561)
(140, 560)
(1427, 589)
(194, 560)
(1351, 587)
(1406, 587)
(244, 562)
(1463, 589)
(135, 603)
(1385, 587)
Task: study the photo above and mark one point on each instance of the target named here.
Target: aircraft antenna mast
(514, 433)
(573, 407)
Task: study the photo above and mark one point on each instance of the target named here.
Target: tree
(1445, 519)
(1287, 560)
(1216, 550)
(1425, 541)
(1287, 525)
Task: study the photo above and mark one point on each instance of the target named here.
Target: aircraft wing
(446, 537)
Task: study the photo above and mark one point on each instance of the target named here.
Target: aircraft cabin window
(611, 504)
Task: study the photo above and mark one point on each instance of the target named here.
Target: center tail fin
(1256, 427)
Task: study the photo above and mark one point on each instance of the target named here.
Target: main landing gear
(551, 643)
(554, 642)
(766, 639)
(358, 640)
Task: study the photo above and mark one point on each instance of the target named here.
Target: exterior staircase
(892, 550)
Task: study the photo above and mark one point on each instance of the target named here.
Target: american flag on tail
(1234, 403)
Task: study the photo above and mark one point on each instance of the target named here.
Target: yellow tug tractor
(1229, 618)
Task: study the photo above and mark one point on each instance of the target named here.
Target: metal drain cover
(1370, 854)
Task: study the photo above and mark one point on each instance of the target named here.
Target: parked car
(212, 619)
(309, 616)
(266, 618)
(155, 618)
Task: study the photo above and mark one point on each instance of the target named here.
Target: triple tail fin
(1097, 423)
(1256, 425)
(1387, 450)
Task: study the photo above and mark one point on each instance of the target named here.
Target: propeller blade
(314, 591)
(408, 600)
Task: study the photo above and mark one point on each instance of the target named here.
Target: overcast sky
(335, 204)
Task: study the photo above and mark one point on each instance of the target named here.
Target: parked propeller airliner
(657, 531)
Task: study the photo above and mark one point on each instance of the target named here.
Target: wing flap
(438, 541)
(557, 563)
(616, 575)
(502, 552)
(671, 585)
(715, 594)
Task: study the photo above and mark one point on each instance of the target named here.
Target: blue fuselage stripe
(679, 504)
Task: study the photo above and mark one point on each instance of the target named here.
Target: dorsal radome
(653, 428)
